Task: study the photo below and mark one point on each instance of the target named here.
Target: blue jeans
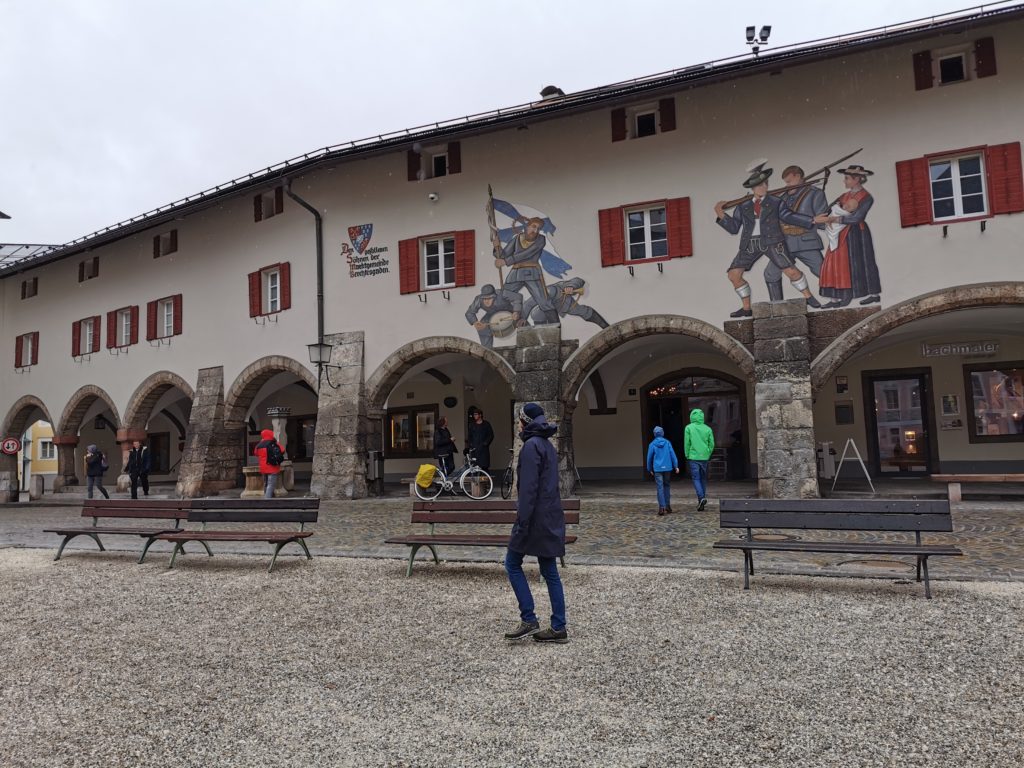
(269, 484)
(663, 481)
(699, 473)
(95, 482)
(549, 570)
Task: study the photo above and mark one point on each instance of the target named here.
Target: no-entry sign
(10, 445)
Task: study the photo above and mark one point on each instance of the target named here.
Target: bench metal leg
(145, 549)
(69, 537)
(178, 547)
(302, 543)
(923, 559)
(748, 567)
(919, 568)
(413, 549)
(277, 549)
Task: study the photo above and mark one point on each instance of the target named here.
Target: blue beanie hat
(532, 410)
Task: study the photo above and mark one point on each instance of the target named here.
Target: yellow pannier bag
(425, 475)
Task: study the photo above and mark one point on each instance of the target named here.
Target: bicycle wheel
(433, 490)
(507, 481)
(476, 483)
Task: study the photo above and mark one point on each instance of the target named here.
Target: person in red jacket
(268, 451)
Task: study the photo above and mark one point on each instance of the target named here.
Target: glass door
(901, 424)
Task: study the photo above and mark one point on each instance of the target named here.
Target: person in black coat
(479, 438)
(94, 461)
(444, 446)
(539, 529)
(138, 467)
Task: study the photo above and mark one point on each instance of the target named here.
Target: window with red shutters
(88, 269)
(644, 120)
(165, 244)
(29, 288)
(270, 290)
(268, 204)
(654, 231)
(123, 327)
(409, 265)
(26, 350)
(433, 162)
(439, 261)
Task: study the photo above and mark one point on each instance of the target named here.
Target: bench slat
(269, 536)
(849, 547)
(265, 504)
(468, 539)
(1003, 478)
(243, 515)
(487, 505)
(486, 518)
(837, 521)
(108, 531)
(846, 506)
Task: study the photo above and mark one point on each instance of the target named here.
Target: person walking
(138, 467)
(268, 450)
(661, 463)
(95, 465)
(698, 443)
(444, 446)
(479, 439)
(539, 529)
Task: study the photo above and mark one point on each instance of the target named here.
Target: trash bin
(375, 472)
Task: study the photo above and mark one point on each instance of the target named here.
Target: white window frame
(90, 269)
(433, 159)
(442, 267)
(86, 335)
(47, 450)
(635, 113)
(958, 200)
(648, 242)
(271, 290)
(165, 318)
(27, 352)
(268, 202)
(963, 55)
(124, 327)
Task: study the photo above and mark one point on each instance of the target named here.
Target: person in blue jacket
(661, 463)
(539, 529)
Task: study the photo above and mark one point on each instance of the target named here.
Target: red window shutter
(95, 266)
(111, 329)
(465, 258)
(1005, 178)
(923, 77)
(409, 265)
(133, 331)
(81, 271)
(454, 157)
(257, 208)
(35, 347)
(76, 337)
(19, 349)
(985, 57)
(680, 231)
(667, 113)
(613, 238)
(286, 286)
(156, 246)
(618, 124)
(150, 321)
(177, 314)
(96, 327)
(278, 200)
(174, 241)
(255, 294)
(413, 164)
(915, 195)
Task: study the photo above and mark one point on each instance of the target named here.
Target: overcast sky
(113, 107)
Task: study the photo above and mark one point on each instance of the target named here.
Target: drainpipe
(319, 262)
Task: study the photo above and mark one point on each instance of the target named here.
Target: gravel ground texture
(340, 662)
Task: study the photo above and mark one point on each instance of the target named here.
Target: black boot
(742, 313)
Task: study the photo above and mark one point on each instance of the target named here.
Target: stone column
(538, 364)
(214, 449)
(786, 461)
(66, 464)
(342, 424)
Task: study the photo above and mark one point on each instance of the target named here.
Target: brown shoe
(668, 510)
(661, 511)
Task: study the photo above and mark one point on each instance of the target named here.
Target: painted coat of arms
(360, 236)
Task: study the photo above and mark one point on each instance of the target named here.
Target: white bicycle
(469, 479)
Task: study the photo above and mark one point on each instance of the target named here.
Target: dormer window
(268, 204)
(434, 162)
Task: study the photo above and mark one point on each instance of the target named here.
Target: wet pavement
(618, 527)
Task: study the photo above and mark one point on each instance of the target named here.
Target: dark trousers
(135, 485)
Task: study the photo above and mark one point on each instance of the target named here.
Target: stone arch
(16, 420)
(146, 395)
(589, 355)
(937, 302)
(388, 373)
(79, 403)
(239, 397)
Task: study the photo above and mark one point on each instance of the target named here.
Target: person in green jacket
(698, 443)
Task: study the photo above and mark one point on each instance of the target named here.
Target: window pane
(636, 236)
(637, 251)
(449, 246)
(659, 248)
(440, 165)
(449, 275)
(941, 170)
(635, 218)
(399, 432)
(431, 246)
(433, 263)
(646, 125)
(970, 165)
(943, 209)
(970, 185)
(974, 204)
(425, 431)
(999, 408)
(657, 215)
(941, 189)
(658, 232)
(951, 70)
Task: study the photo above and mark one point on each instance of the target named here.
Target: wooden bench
(954, 481)
(486, 512)
(837, 515)
(149, 510)
(264, 511)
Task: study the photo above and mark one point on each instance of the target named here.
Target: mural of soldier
(759, 221)
(499, 315)
(565, 298)
(522, 253)
(802, 241)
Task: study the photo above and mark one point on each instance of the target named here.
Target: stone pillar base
(254, 484)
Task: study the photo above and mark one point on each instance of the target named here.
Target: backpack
(274, 455)
(103, 462)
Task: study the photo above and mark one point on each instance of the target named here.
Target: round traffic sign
(10, 445)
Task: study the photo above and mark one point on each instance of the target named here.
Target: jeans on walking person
(97, 483)
(699, 475)
(663, 480)
(269, 485)
(521, 588)
(661, 463)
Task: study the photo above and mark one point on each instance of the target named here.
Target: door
(900, 423)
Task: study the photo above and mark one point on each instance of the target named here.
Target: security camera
(433, 197)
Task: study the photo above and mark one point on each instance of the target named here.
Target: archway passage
(240, 397)
(157, 415)
(89, 418)
(26, 411)
(142, 404)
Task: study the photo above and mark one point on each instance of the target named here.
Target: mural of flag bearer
(758, 218)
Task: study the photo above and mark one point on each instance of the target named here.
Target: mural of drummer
(565, 298)
(498, 312)
(522, 253)
(759, 221)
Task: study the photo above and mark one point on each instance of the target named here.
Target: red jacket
(260, 451)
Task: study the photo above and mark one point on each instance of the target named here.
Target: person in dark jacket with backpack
(95, 466)
(138, 467)
(539, 529)
(268, 450)
(444, 446)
